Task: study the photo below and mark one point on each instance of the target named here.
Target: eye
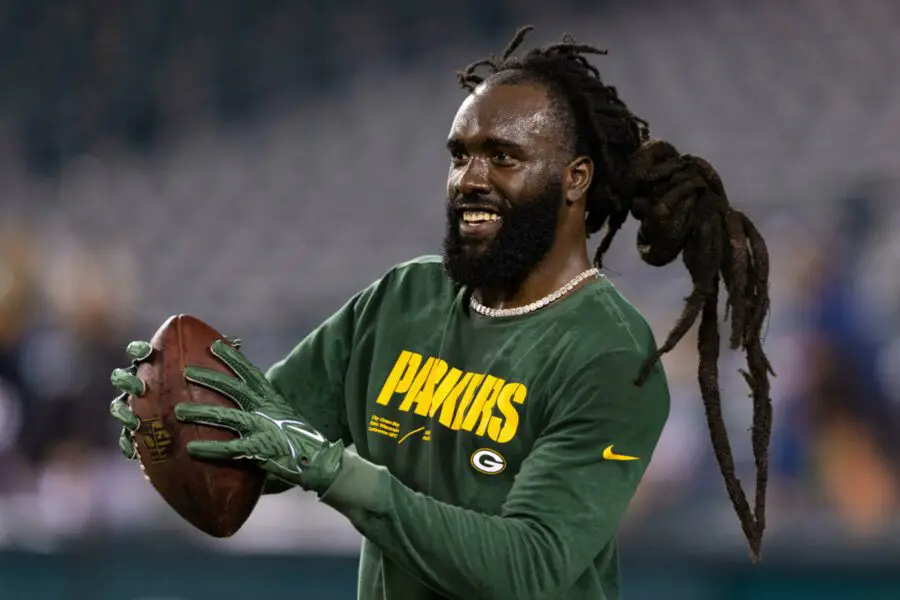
(458, 158)
(501, 158)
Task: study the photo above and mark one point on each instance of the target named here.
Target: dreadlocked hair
(682, 208)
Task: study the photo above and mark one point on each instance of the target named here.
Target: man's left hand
(271, 432)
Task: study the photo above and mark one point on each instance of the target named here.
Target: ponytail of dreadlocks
(682, 208)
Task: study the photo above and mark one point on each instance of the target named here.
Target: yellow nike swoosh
(608, 454)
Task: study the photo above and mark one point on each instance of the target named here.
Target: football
(216, 498)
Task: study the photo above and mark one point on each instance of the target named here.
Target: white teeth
(474, 216)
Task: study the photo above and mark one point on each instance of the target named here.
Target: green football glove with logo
(270, 430)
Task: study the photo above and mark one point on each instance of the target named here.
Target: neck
(554, 271)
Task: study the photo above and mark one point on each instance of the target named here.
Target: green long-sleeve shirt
(496, 457)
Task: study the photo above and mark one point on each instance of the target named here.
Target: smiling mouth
(479, 222)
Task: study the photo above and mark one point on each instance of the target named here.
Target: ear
(578, 177)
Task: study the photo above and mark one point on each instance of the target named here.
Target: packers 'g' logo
(488, 461)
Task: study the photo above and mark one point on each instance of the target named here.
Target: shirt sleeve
(564, 507)
(311, 378)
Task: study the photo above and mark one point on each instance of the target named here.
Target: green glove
(271, 432)
(127, 381)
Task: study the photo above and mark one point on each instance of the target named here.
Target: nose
(474, 179)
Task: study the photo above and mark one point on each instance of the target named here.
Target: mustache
(476, 200)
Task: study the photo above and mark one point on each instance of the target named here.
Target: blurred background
(257, 162)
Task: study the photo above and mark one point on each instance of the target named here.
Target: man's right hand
(127, 382)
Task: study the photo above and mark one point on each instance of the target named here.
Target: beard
(526, 235)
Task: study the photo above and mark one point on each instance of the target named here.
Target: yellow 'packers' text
(476, 402)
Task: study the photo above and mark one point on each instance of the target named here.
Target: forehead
(521, 113)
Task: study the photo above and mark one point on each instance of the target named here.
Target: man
(510, 397)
